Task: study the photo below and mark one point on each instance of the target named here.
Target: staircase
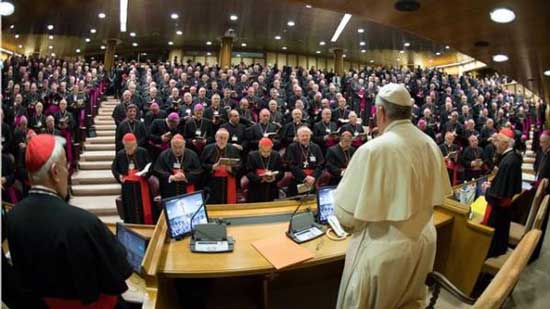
(93, 186)
(529, 157)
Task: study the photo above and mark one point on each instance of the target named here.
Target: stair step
(106, 133)
(95, 165)
(101, 140)
(105, 127)
(96, 189)
(99, 147)
(93, 177)
(103, 155)
(104, 122)
(98, 205)
(104, 117)
(529, 160)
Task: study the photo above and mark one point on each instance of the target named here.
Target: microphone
(302, 199)
(206, 196)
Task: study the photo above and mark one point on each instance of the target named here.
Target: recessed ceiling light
(50, 37)
(208, 43)
(20, 46)
(239, 55)
(360, 30)
(372, 61)
(17, 36)
(12, 26)
(438, 53)
(502, 15)
(87, 40)
(283, 48)
(170, 43)
(277, 37)
(209, 54)
(132, 34)
(547, 73)
(52, 54)
(398, 59)
(179, 32)
(291, 23)
(401, 51)
(363, 51)
(322, 43)
(101, 15)
(174, 16)
(50, 47)
(362, 43)
(102, 47)
(50, 27)
(233, 17)
(447, 47)
(407, 44)
(116, 56)
(308, 6)
(135, 44)
(344, 56)
(243, 44)
(77, 50)
(318, 52)
(93, 30)
(144, 54)
(500, 58)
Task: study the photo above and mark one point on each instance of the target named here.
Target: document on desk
(281, 252)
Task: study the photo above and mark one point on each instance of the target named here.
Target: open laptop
(135, 245)
(183, 213)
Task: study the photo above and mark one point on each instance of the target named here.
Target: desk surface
(178, 261)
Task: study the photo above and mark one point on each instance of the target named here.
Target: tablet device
(325, 203)
(479, 183)
(183, 213)
(135, 245)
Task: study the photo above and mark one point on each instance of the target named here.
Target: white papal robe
(386, 197)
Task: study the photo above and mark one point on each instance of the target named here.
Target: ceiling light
(179, 32)
(93, 30)
(101, 15)
(238, 55)
(77, 50)
(135, 44)
(341, 26)
(398, 59)
(116, 56)
(308, 6)
(174, 16)
(283, 48)
(123, 15)
(362, 43)
(372, 61)
(322, 43)
(50, 47)
(318, 52)
(547, 73)
(87, 40)
(12, 26)
(233, 17)
(132, 34)
(500, 58)
(50, 27)
(401, 51)
(344, 56)
(438, 53)
(170, 43)
(447, 47)
(502, 15)
(144, 54)
(208, 53)
(291, 23)
(363, 51)
(407, 44)
(277, 37)
(208, 43)
(52, 54)
(102, 47)
(243, 44)
(17, 36)
(360, 30)
(50, 37)
(20, 46)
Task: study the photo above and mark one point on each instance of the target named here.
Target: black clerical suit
(258, 131)
(303, 161)
(322, 129)
(222, 184)
(468, 155)
(168, 164)
(200, 131)
(256, 165)
(136, 127)
(337, 161)
(504, 186)
(62, 251)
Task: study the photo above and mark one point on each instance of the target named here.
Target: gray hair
(394, 111)
(58, 150)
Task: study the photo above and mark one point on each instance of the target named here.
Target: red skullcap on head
(39, 150)
(507, 132)
(266, 142)
(178, 137)
(129, 137)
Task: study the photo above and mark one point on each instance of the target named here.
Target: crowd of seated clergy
(189, 120)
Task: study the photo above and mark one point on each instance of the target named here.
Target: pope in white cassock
(386, 198)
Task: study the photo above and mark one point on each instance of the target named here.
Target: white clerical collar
(507, 151)
(396, 123)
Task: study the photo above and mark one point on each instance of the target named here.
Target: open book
(229, 161)
(145, 170)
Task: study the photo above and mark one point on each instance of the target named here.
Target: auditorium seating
(518, 230)
(500, 287)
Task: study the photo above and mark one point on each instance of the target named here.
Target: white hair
(58, 150)
(304, 128)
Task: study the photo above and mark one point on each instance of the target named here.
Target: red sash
(507, 202)
(190, 187)
(331, 141)
(103, 302)
(308, 172)
(231, 188)
(145, 195)
(260, 171)
(199, 145)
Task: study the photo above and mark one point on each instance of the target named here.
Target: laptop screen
(180, 209)
(479, 184)
(135, 245)
(325, 203)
